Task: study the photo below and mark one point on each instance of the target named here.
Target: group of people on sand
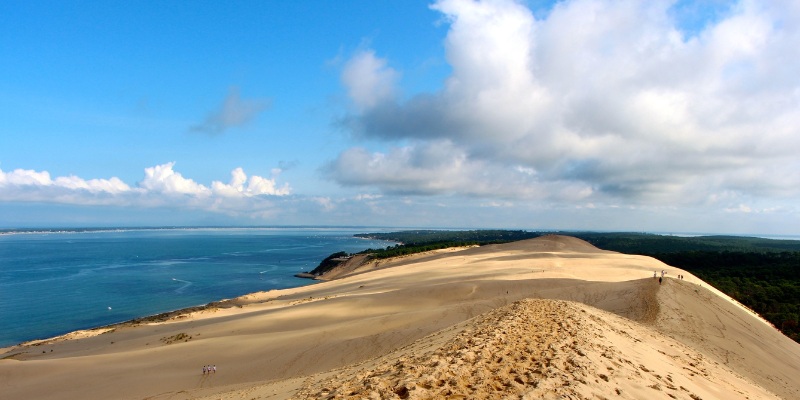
(208, 369)
(660, 279)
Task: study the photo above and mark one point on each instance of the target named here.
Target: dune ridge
(350, 334)
(542, 349)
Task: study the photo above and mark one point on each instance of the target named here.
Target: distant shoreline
(57, 230)
(121, 229)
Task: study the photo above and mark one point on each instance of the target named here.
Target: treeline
(639, 243)
(767, 282)
(412, 242)
(425, 237)
(329, 262)
(763, 274)
(623, 242)
(407, 249)
(419, 241)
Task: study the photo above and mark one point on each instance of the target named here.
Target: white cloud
(258, 186)
(326, 203)
(111, 186)
(163, 179)
(367, 197)
(742, 208)
(161, 186)
(25, 177)
(255, 185)
(22, 178)
(497, 204)
(233, 112)
(442, 168)
(369, 80)
(601, 101)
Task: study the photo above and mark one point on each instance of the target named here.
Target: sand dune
(454, 323)
(542, 349)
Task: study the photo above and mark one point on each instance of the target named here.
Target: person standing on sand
(204, 369)
(214, 368)
(655, 274)
(659, 280)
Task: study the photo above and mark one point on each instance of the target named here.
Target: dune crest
(549, 243)
(542, 349)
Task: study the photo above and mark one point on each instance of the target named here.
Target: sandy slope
(536, 349)
(353, 332)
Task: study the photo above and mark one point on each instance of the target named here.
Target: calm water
(54, 283)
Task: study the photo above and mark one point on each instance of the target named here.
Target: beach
(541, 318)
(53, 283)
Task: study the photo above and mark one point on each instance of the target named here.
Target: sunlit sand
(541, 318)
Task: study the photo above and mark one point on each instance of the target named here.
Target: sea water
(52, 283)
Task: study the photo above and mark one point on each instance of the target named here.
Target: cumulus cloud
(240, 185)
(163, 179)
(161, 186)
(113, 185)
(233, 112)
(31, 186)
(369, 80)
(599, 101)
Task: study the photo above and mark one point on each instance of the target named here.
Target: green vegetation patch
(330, 262)
(180, 337)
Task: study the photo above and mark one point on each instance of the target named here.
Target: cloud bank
(161, 186)
(597, 102)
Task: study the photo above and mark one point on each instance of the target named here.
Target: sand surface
(551, 317)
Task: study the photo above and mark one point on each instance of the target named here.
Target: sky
(659, 116)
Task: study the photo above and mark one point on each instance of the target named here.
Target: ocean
(52, 283)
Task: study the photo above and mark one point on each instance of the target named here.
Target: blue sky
(672, 116)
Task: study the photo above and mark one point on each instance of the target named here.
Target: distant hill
(763, 274)
(623, 242)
